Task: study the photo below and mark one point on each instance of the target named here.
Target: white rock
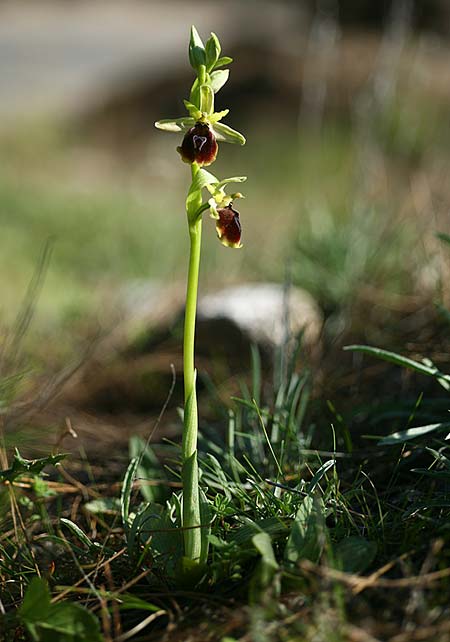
(267, 312)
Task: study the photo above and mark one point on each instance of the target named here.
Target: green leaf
(270, 525)
(175, 125)
(263, 544)
(222, 62)
(438, 474)
(129, 601)
(355, 554)
(189, 474)
(405, 362)
(79, 534)
(228, 135)
(21, 466)
(156, 527)
(71, 623)
(307, 537)
(312, 485)
(197, 55)
(266, 569)
(440, 457)
(149, 468)
(218, 79)
(125, 495)
(62, 622)
(36, 603)
(403, 436)
(205, 520)
(212, 51)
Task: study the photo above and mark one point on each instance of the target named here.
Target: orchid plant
(203, 130)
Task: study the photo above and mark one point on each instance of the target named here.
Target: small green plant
(202, 130)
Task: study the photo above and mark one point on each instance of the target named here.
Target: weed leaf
(355, 554)
(62, 622)
(125, 495)
(21, 466)
(307, 536)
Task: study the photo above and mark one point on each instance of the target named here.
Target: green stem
(191, 503)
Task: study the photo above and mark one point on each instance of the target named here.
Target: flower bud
(228, 227)
(199, 145)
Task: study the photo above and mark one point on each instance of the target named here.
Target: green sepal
(232, 179)
(197, 54)
(193, 110)
(175, 125)
(218, 115)
(212, 50)
(228, 135)
(218, 79)
(206, 99)
(222, 62)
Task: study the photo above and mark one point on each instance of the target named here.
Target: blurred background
(346, 108)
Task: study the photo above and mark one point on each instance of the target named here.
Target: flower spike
(201, 129)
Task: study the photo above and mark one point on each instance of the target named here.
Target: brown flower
(199, 145)
(228, 226)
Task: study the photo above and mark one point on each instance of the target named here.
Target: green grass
(294, 532)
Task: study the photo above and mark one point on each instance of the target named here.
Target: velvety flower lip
(199, 145)
(228, 227)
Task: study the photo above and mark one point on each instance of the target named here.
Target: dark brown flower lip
(199, 145)
(228, 227)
